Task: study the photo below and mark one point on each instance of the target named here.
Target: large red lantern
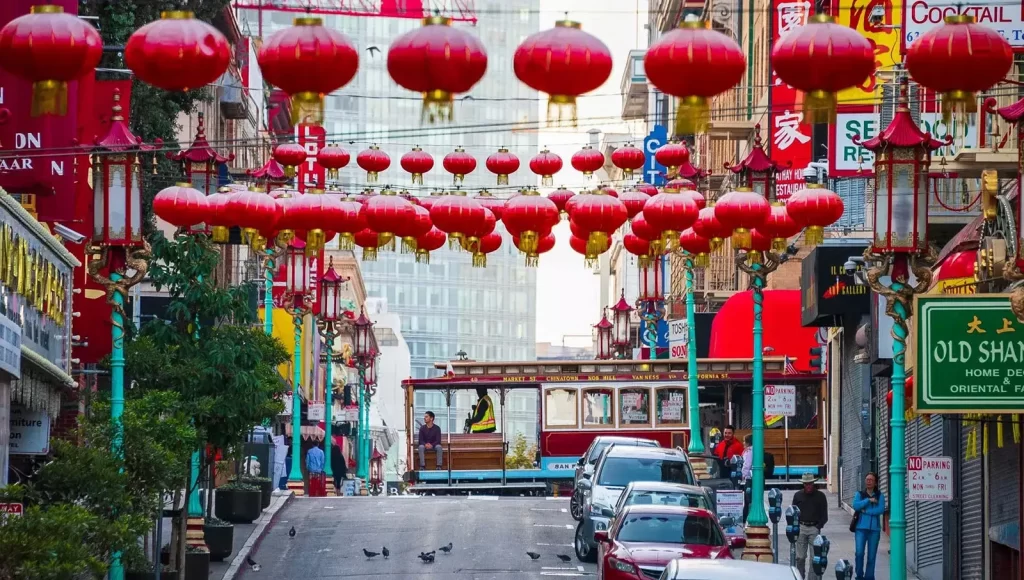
(177, 52)
(369, 241)
(50, 49)
(437, 61)
(647, 188)
(432, 240)
(417, 162)
(310, 213)
(254, 212)
(351, 219)
(456, 215)
(697, 246)
(308, 61)
(600, 215)
(628, 159)
(388, 215)
(459, 164)
(741, 211)
(670, 213)
(530, 215)
(544, 245)
(546, 164)
(672, 155)
(563, 62)
(502, 163)
(290, 156)
(583, 247)
(587, 160)
(779, 227)
(487, 200)
(411, 230)
(707, 226)
(373, 161)
(561, 198)
(181, 205)
(644, 231)
(820, 60)
(217, 219)
(637, 246)
(487, 245)
(816, 208)
(694, 63)
(332, 158)
(470, 242)
(958, 59)
(634, 201)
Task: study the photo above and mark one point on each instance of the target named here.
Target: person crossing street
(813, 516)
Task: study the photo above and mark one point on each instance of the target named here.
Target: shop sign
(930, 478)
(678, 337)
(315, 412)
(10, 347)
(830, 293)
(789, 137)
(30, 431)
(310, 173)
(920, 16)
(969, 355)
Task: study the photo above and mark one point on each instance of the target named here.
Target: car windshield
(620, 471)
(694, 500)
(600, 446)
(670, 529)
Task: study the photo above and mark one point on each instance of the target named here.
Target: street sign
(287, 400)
(678, 337)
(968, 355)
(729, 502)
(315, 412)
(11, 509)
(930, 478)
(654, 172)
(780, 400)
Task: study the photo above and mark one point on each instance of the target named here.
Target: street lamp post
(695, 450)
(900, 246)
(649, 303)
(297, 301)
(329, 327)
(362, 350)
(621, 322)
(118, 248)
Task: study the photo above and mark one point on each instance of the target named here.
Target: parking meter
(775, 514)
(820, 560)
(735, 470)
(844, 570)
(792, 531)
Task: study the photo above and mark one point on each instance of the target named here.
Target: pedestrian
(813, 516)
(338, 467)
(315, 467)
(868, 507)
(748, 463)
(724, 450)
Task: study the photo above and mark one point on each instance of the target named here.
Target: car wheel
(583, 551)
(576, 505)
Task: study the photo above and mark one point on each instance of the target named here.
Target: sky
(568, 301)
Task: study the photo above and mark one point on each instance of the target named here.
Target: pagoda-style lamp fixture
(201, 161)
(603, 331)
(365, 355)
(329, 327)
(621, 321)
(297, 305)
(757, 171)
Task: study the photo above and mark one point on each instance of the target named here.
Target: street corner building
(35, 337)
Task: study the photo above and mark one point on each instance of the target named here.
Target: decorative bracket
(136, 259)
(900, 292)
(770, 262)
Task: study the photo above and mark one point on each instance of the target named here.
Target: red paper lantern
(217, 219)
(455, 214)
(459, 164)
(254, 212)
(432, 240)
(647, 188)
(958, 59)
(561, 198)
(563, 62)
(487, 245)
(694, 63)
(388, 214)
(332, 158)
(708, 227)
(820, 60)
(308, 61)
(643, 230)
(530, 215)
(672, 155)
(815, 208)
(428, 201)
(546, 164)
(639, 247)
(741, 211)
(373, 161)
(544, 245)
(697, 246)
(779, 227)
(634, 201)
(309, 213)
(670, 213)
(587, 160)
(576, 230)
(502, 164)
(608, 190)
(177, 52)
(50, 49)
(470, 242)
(680, 184)
(412, 229)
(290, 156)
(600, 215)
(437, 61)
(583, 247)
(628, 159)
(369, 241)
(417, 162)
(181, 205)
(351, 219)
(487, 200)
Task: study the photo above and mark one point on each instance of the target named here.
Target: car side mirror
(608, 512)
(586, 475)
(601, 536)
(581, 461)
(737, 542)
(585, 482)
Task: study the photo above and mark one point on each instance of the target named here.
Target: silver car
(586, 465)
(687, 569)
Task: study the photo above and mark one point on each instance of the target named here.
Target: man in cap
(813, 516)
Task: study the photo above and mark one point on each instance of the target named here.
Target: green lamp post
(329, 326)
(297, 300)
(695, 450)
(362, 351)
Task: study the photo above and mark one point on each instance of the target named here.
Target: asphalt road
(490, 536)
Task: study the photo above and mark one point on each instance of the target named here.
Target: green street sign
(969, 355)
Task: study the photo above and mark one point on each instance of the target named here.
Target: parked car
(644, 539)
(589, 459)
(661, 493)
(683, 569)
(617, 468)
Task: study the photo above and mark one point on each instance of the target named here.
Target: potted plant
(220, 536)
(238, 502)
(265, 484)
(197, 562)
(137, 567)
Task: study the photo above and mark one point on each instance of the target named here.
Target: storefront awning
(955, 274)
(732, 330)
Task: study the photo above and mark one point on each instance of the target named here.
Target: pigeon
(428, 558)
(252, 564)
(291, 532)
(446, 549)
(564, 558)
(533, 555)
(370, 554)
(386, 552)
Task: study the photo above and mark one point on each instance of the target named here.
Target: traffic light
(817, 363)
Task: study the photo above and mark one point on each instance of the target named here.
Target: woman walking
(868, 506)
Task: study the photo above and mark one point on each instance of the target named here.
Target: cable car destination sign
(969, 355)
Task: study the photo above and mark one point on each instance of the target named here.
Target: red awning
(955, 266)
(732, 330)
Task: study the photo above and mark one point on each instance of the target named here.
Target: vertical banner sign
(310, 173)
(789, 137)
(654, 172)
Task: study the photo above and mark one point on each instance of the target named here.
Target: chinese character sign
(790, 137)
(884, 36)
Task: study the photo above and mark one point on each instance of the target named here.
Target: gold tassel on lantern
(701, 260)
(346, 241)
(479, 260)
(386, 241)
(369, 254)
(590, 260)
(561, 111)
(754, 257)
(643, 261)
(999, 431)
(528, 241)
(532, 260)
(742, 239)
(470, 244)
(408, 245)
(249, 235)
(547, 180)
(258, 244)
(814, 235)
(438, 106)
(455, 240)
(597, 243)
(692, 115)
(315, 239)
(417, 178)
(972, 444)
(221, 235)
(984, 439)
(960, 102)
(715, 244)
(285, 237)
(820, 107)
(422, 257)
(502, 179)
(49, 98)
(670, 240)
(779, 245)
(307, 107)
(1016, 429)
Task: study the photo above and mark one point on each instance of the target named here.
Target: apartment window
(405, 268)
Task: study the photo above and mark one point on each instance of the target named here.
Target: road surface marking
(328, 507)
(564, 511)
(550, 526)
(569, 526)
(556, 545)
(579, 568)
(549, 498)
(544, 510)
(559, 568)
(484, 497)
(389, 512)
(574, 574)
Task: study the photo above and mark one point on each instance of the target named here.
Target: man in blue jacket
(869, 506)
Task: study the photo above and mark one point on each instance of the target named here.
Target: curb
(261, 525)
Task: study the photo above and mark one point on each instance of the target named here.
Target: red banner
(789, 138)
(311, 174)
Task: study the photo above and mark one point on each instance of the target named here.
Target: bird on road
(252, 564)
(370, 554)
(533, 555)
(386, 552)
(564, 558)
(427, 558)
(446, 549)
(291, 532)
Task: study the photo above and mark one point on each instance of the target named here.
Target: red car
(645, 538)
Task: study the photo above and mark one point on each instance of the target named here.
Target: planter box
(266, 491)
(149, 575)
(220, 540)
(197, 565)
(238, 506)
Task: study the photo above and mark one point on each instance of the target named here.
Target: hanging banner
(789, 138)
(310, 173)
(884, 35)
(654, 172)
